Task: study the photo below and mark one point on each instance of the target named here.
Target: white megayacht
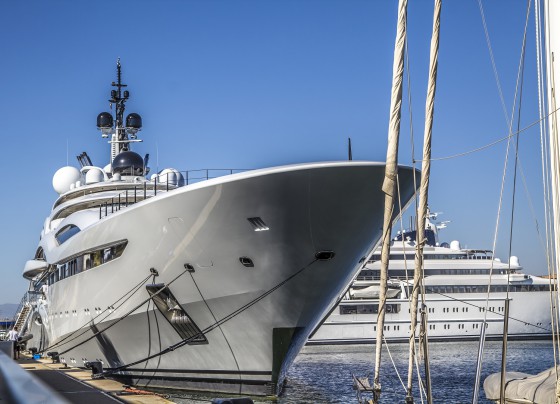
(187, 281)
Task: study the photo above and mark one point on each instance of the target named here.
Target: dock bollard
(96, 368)
(54, 356)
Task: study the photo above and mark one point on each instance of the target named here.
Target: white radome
(64, 177)
(455, 245)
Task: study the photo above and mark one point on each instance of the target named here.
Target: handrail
(170, 179)
(188, 177)
(30, 297)
(20, 386)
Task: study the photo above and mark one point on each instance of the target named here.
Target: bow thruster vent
(258, 224)
(324, 255)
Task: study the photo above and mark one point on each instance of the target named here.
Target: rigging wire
(393, 362)
(415, 184)
(150, 342)
(495, 142)
(504, 172)
(220, 328)
(420, 384)
(516, 159)
(211, 327)
(492, 60)
(95, 334)
(545, 166)
(64, 341)
(481, 308)
(551, 141)
(546, 249)
(149, 333)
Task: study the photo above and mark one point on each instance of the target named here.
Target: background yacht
(460, 285)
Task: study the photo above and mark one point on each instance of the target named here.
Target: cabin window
(66, 233)
(86, 261)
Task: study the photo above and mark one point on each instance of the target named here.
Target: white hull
(457, 285)
(529, 319)
(273, 305)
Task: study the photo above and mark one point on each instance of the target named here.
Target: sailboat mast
(552, 44)
(552, 31)
(422, 214)
(389, 183)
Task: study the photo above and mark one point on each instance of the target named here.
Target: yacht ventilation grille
(258, 224)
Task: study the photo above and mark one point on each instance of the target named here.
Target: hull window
(66, 233)
(85, 261)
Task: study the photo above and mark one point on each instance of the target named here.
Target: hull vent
(258, 224)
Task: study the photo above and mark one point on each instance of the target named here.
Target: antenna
(349, 149)
(118, 129)
(157, 157)
(119, 100)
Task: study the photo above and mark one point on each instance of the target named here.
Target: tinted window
(66, 232)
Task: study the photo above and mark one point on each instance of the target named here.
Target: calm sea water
(323, 374)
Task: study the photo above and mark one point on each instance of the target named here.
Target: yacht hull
(252, 261)
(449, 319)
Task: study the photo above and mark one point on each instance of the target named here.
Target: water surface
(323, 374)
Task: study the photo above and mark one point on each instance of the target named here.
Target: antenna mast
(119, 133)
(119, 141)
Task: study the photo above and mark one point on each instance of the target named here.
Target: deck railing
(28, 298)
(165, 181)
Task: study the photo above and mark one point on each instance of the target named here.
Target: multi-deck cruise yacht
(458, 284)
(214, 284)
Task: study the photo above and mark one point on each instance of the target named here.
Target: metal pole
(479, 363)
(504, 353)
(426, 355)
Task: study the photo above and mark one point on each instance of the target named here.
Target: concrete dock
(77, 386)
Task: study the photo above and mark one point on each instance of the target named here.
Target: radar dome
(94, 175)
(134, 121)
(455, 245)
(514, 261)
(172, 177)
(64, 178)
(104, 120)
(128, 163)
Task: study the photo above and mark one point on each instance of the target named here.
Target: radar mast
(120, 141)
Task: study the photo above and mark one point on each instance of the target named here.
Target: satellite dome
(134, 121)
(104, 120)
(64, 178)
(128, 163)
(455, 245)
(514, 261)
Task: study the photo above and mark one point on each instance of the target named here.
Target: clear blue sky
(250, 84)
